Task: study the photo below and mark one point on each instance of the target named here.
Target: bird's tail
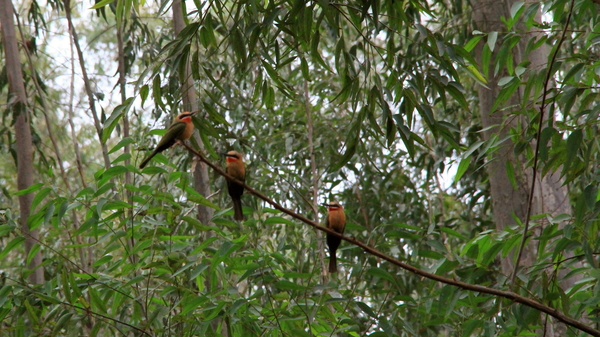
(145, 161)
(237, 209)
(332, 263)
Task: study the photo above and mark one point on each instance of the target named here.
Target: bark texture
(24, 145)
(550, 195)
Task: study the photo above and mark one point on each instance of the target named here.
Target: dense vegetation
(378, 104)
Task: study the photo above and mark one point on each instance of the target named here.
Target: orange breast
(189, 129)
(236, 169)
(337, 220)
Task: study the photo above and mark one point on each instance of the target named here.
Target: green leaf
(490, 254)
(383, 274)
(287, 285)
(5, 229)
(473, 42)
(101, 4)
(122, 157)
(61, 323)
(491, 40)
(510, 172)
(214, 312)
(505, 93)
(589, 195)
(40, 196)
(366, 309)
(462, 168)
(505, 80)
(32, 252)
(113, 171)
(454, 233)
(144, 91)
(449, 296)
(115, 117)
(157, 91)
(573, 144)
(102, 260)
(29, 189)
(122, 143)
(273, 220)
(199, 199)
(456, 91)
(11, 245)
(514, 9)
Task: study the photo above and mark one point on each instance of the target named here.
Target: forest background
(461, 138)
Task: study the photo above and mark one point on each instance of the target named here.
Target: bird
(235, 168)
(181, 129)
(335, 220)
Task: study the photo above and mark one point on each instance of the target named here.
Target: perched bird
(335, 220)
(235, 168)
(181, 129)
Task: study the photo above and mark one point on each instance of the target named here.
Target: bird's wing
(176, 128)
(171, 135)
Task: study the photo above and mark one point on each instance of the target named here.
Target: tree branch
(466, 286)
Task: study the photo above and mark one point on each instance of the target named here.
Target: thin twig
(467, 286)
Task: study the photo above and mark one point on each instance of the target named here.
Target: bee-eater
(235, 168)
(335, 220)
(180, 130)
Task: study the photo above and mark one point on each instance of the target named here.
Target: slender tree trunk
(550, 195)
(315, 179)
(123, 91)
(201, 181)
(87, 84)
(22, 134)
(190, 103)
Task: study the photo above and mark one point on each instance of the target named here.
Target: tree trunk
(201, 182)
(550, 195)
(24, 146)
(190, 103)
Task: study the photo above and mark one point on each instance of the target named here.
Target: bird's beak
(194, 112)
(326, 204)
(227, 155)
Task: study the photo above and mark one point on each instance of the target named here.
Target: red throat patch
(231, 160)
(186, 119)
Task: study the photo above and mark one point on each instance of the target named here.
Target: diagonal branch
(466, 286)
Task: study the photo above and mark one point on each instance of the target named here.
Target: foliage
(391, 89)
